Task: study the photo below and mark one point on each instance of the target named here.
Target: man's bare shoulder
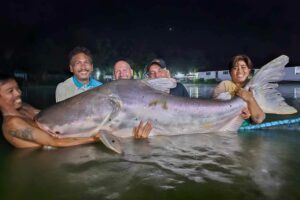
(15, 122)
(18, 132)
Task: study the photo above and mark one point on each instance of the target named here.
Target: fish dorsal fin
(161, 84)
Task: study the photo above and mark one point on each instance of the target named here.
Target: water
(260, 164)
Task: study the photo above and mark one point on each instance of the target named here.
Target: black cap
(157, 61)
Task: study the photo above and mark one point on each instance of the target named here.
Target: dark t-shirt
(179, 90)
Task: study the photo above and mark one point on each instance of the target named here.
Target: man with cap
(81, 65)
(157, 69)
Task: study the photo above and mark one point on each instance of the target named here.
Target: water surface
(260, 164)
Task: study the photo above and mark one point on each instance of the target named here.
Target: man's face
(122, 70)
(155, 71)
(81, 66)
(10, 94)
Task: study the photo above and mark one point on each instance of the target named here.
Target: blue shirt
(91, 84)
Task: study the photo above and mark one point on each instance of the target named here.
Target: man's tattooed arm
(25, 134)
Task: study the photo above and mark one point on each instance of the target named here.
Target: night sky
(37, 35)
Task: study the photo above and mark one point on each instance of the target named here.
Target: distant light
(97, 73)
(179, 75)
(171, 29)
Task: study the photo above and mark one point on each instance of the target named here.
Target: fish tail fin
(264, 88)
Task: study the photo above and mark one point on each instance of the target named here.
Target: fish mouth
(44, 127)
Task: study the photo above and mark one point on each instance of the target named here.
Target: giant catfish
(118, 106)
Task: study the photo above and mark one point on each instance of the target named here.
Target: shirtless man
(19, 127)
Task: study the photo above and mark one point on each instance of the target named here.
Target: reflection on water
(260, 164)
(201, 90)
(297, 93)
(252, 165)
(291, 91)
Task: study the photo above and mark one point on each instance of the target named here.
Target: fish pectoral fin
(110, 141)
